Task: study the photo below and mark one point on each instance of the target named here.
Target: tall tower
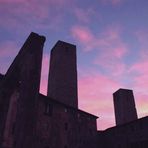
(62, 80)
(19, 91)
(124, 105)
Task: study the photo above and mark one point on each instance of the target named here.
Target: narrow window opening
(78, 115)
(13, 128)
(79, 128)
(65, 110)
(48, 109)
(66, 126)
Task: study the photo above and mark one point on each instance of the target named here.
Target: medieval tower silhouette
(62, 82)
(29, 119)
(124, 105)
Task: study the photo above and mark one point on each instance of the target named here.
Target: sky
(112, 46)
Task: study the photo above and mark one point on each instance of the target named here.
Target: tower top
(122, 90)
(62, 80)
(124, 105)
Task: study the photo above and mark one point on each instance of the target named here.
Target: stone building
(129, 131)
(29, 119)
(133, 134)
(124, 105)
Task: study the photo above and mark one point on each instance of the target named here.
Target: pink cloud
(140, 85)
(95, 96)
(110, 38)
(109, 47)
(141, 103)
(51, 2)
(142, 74)
(11, 1)
(112, 60)
(107, 121)
(82, 34)
(34, 15)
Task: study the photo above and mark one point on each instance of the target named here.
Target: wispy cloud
(111, 51)
(85, 15)
(11, 1)
(34, 14)
(109, 47)
(141, 78)
(83, 35)
(95, 95)
(113, 2)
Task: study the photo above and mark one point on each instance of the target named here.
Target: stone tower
(62, 80)
(124, 106)
(19, 90)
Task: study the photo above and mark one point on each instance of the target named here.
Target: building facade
(62, 80)
(29, 119)
(133, 134)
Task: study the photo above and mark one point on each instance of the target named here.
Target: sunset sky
(112, 46)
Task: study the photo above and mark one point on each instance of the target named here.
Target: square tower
(19, 91)
(62, 80)
(124, 106)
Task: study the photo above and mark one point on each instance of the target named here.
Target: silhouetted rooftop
(67, 106)
(122, 90)
(129, 123)
(62, 43)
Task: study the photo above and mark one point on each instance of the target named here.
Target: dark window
(65, 110)
(79, 128)
(4, 95)
(78, 115)
(132, 128)
(90, 132)
(18, 84)
(13, 128)
(66, 126)
(141, 126)
(65, 146)
(48, 109)
(14, 143)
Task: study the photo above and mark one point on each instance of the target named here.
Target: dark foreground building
(29, 119)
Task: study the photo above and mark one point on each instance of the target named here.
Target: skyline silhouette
(111, 38)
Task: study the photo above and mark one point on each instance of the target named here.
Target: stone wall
(18, 93)
(130, 135)
(62, 80)
(63, 126)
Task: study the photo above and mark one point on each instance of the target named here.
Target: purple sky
(112, 45)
